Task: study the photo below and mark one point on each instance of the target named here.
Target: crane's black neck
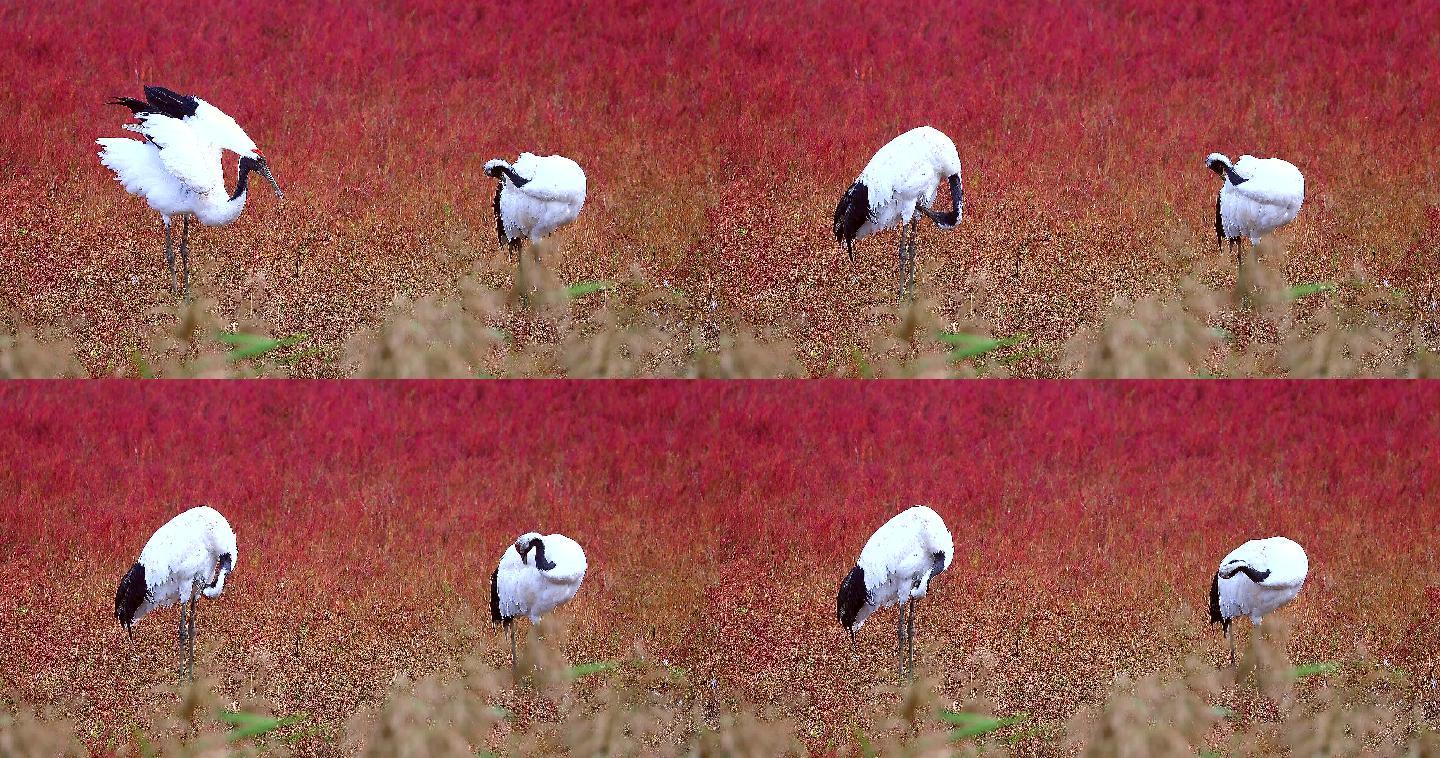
(247, 164)
(1227, 170)
(1254, 576)
(225, 565)
(950, 218)
(516, 179)
(540, 561)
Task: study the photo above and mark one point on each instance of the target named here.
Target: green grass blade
(965, 345)
(581, 289)
(142, 366)
(247, 725)
(504, 714)
(862, 366)
(1315, 669)
(586, 669)
(1306, 290)
(867, 749)
(969, 725)
(248, 346)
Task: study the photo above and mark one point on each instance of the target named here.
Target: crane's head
(1217, 163)
(525, 544)
(256, 162)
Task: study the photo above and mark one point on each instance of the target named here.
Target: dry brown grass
(523, 322)
(644, 707)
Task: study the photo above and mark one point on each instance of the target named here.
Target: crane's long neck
(540, 561)
(219, 210)
(242, 184)
(223, 570)
(1250, 572)
(949, 219)
(499, 168)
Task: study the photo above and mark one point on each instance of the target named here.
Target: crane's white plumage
(1259, 196)
(536, 575)
(191, 555)
(895, 567)
(1255, 579)
(536, 195)
(900, 181)
(177, 166)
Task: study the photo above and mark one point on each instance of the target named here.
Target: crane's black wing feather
(159, 100)
(170, 102)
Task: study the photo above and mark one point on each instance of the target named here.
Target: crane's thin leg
(513, 662)
(900, 645)
(182, 643)
(185, 255)
(1230, 636)
(170, 256)
(194, 596)
(910, 637)
(905, 229)
(914, 243)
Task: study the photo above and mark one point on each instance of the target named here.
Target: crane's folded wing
(192, 161)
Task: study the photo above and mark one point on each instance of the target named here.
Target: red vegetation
(717, 140)
(718, 519)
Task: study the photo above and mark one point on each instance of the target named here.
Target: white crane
(522, 587)
(535, 196)
(177, 166)
(901, 180)
(1259, 195)
(1255, 579)
(895, 568)
(188, 557)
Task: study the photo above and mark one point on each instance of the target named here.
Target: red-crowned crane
(188, 557)
(176, 168)
(521, 586)
(899, 182)
(895, 568)
(1255, 579)
(535, 196)
(1259, 195)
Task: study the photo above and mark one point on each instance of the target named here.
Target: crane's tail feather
(852, 597)
(1215, 617)
(495, 599)
(851, 213)
(130, 595)
(1219, 224)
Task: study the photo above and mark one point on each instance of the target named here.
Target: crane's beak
(265, 172)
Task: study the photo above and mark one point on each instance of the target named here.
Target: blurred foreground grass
(643, 707)
(1265, 327)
